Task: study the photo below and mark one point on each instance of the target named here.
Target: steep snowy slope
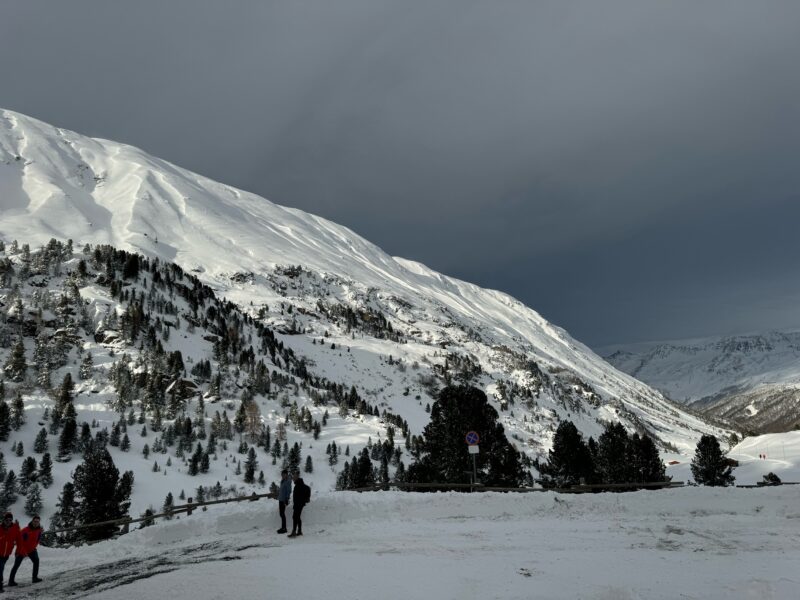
(305, 275)
(749, 380)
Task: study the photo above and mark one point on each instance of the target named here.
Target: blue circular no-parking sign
(472, 438)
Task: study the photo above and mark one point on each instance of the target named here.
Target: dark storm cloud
(630, 169)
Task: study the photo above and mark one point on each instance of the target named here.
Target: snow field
(684, 543)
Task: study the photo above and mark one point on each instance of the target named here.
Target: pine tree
(66, 443)
(309, 468)
(650, 467)
(40, 444)
(5, 421)
(294, 458)
(9, 494)
(46, 470)
(197, 457)
(250, 466)
(64, 397)
(114, 440)
(27, 475)
(614, 457)
(146, 451)
(33, 500)
(383, 473)
(569, 461)
(17, 412)
(65, 515)
(343, 481)
(169, 502)
(20, 449)
(16, 366)
(709, 465)
(458, 410)
(125, 444)
(103, 495)
(85, 440)
(87, 367)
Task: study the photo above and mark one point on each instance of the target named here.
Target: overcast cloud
(629, 169)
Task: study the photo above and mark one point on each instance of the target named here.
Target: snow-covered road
(683, 543)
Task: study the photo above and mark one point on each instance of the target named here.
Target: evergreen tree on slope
(709, 465)
(445, 457)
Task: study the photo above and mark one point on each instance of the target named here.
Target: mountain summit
(312, 279)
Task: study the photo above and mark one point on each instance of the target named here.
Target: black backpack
(303, 493)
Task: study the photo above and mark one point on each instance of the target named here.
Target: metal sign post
(472, 438)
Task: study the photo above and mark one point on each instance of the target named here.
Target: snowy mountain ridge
(749, 380)
(308, 277)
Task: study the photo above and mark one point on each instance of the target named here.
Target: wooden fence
(479, 487)
(178, 509)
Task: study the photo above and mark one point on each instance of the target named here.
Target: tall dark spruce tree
(709, 465)
(648, 465)
(615, 455)
(101, 493)
(570, 460)
(444, 453)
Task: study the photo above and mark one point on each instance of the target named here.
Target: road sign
(473, 449)
(472, 438)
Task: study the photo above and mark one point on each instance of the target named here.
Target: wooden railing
(178, 509)
(479, 487)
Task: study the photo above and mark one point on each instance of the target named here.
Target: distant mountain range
(749, 381)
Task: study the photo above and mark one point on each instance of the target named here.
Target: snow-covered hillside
(240, 297)
(55, 183)
(752, 381)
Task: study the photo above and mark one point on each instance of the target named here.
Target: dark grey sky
(629, 169)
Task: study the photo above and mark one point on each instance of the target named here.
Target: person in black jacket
(300, 497)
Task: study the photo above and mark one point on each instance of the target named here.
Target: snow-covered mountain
(349, 313)
(752, 381)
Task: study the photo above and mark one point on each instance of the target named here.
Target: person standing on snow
(301, 497)
(26, 548)
(284, 496)
(9, 535)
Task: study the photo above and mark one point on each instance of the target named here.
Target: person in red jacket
(26, 548)
(9, 534)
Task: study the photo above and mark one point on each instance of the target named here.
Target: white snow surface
(56, 183)
(702, 543)
(693, 542)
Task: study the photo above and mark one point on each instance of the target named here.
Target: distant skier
(26, 548)
(284, 496)
(301, 497)
(9, 534)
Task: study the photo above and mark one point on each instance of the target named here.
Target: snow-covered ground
(684, 543)
(691, 542)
